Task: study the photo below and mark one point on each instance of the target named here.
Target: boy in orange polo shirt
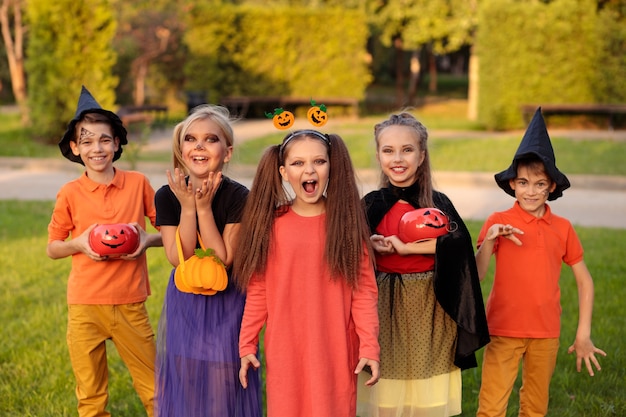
(530, 244)
(105, 296)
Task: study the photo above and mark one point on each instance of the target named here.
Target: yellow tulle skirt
(417, 341)
(434, 397)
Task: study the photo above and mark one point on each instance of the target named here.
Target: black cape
(456, 283)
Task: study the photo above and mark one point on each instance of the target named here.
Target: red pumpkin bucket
(422, 224)
(114, 240)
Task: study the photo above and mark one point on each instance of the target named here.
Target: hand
(381, 245)
(182, 190)
(424, 246)
(507, 231)
(374, 366)
(82, 244)
(204, 196)
(585, 350)
(246, 361)
(143, 238)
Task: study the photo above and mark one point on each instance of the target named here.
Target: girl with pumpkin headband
(197, 357)
(432, 317)
(304, 259)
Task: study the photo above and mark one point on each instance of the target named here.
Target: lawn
(475, 154)
(455, 144)
(36, 378)
(35, 375)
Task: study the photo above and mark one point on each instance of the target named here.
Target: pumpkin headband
(284, 119)
(319, 135)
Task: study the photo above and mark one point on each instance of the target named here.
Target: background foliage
(161, 51)
(548, 52)
(315, 52)
(69, 46)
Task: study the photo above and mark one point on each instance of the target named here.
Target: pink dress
(317, 328)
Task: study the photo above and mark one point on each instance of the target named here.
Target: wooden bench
(240, 105)
(148, 114)
(608, 110)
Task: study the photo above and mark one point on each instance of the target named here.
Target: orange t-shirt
(83, 202)
(525, 298)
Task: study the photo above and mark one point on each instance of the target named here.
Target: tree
(13, 37)
(149, 33)
(70, 44)
(440, 26)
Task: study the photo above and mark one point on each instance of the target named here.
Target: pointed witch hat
(535, 142)
(88, 104)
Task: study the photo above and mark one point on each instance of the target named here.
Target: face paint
(84, 133)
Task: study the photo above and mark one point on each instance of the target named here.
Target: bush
(69, 45)
(548, 52)
(304, 52)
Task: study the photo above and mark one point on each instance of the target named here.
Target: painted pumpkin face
(114, 239)
(316, 116)
(282, 119)
(423, 223)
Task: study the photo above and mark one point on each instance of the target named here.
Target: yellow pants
(501, 359)
(128, 327)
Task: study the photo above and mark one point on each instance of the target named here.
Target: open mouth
(317, 120)
(199, 158)
(309, 186)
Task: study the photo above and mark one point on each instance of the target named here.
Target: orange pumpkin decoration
(317, 115)
(204, 273)
(283, 119)
(182, 283)
(114, 240)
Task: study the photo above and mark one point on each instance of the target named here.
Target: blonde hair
(217, 114)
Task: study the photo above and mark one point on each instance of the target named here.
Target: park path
(591, 201)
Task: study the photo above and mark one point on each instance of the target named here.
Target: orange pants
(128, 326)
(501, 359)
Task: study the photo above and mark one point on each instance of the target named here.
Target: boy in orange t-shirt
(530, 244)
(105, 295)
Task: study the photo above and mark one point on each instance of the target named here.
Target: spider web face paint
(84, 133)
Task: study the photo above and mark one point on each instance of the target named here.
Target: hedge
(273, 51)
(563, 51)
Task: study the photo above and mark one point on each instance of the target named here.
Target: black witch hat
(535, 142)
(88, 104)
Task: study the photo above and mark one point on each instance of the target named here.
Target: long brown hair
(347, 234)
(423, 174)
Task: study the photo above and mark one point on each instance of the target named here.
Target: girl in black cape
(432, 317)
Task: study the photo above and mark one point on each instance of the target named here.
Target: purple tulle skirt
(197, 369)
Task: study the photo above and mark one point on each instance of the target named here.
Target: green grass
(475, 150)
(35, 374)
(597, 156)
(16, 141)
(36, 377)
(573, 394)
(476, 153)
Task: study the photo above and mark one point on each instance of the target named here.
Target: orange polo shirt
(525, 298)
(83, 202)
